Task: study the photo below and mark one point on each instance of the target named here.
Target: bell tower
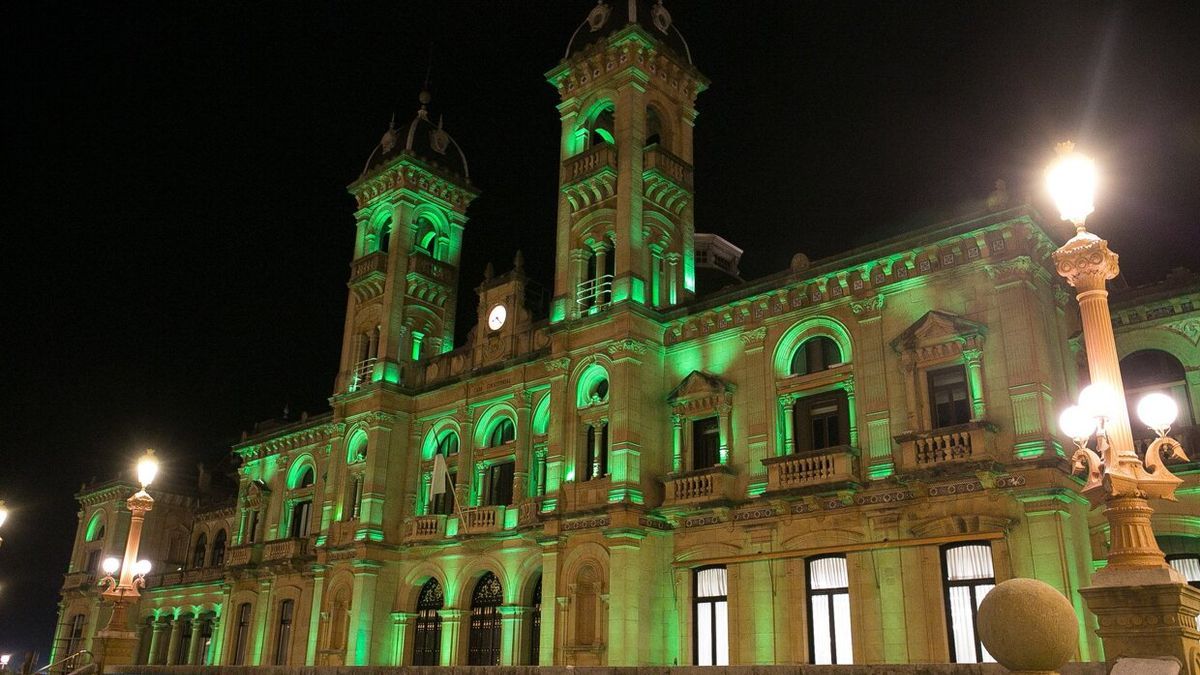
(625, 223)
(412, 200)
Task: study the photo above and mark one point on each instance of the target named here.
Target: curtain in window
(829, 611)
(711, 617)
(969, 577)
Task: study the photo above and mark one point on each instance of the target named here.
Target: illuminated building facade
(830, 464)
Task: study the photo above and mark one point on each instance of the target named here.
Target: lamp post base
(1146, 620)
(111, 648)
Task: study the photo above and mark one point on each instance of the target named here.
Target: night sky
(176, 230)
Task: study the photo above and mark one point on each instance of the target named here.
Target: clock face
(497, 317)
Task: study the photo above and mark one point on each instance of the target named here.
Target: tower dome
(423, 139)
(610, 16)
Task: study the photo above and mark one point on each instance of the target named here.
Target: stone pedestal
(112, 649)
(1147, 621)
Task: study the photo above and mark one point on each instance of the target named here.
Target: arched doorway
(483, 649)
(427, 630)
(535, 623)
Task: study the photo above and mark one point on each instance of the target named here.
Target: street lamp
(1137, 597)
(123, 591)
(3, 517)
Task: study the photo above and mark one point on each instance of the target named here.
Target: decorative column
(400, 626)
(677, 443)
(579, 258)
(512, 633)
(672, 278)
(156, 636)
(540, 453)
(214, 645)
(524, 447)
(466, 459)
(193, 655)
(851, 410)
(974, 360)
(173, 642)
(314, 620)
(451, 628)
(723, 429)
(785, 420)
(477, 495)
(362, 599)
(601, 260)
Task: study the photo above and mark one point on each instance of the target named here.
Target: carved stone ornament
(598, 16)
(1085, 261)
(753, 338)
(630, 346)
(1188, 328)
(556, 365)
(868, 307)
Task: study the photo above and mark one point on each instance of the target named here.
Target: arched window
(427, 629)
(503, 432)
(593, 387)
(384, 234)
(710, 617)
(535, 623)
(447, 443)
(218, 552)
(306, 478)
(339, 620)
(595, 459)
(1154, 371)
(427, 237)
(602, 126)
(815, 355)
(829, 634)
(200, 553)
(483, 648)
(654, 126)
(356, 448)
(541, 417)
(967, 577)
(95, 527)
(587, 607)
(241, 635)
(283, 632)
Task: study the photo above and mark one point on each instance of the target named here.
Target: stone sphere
(1028, 625)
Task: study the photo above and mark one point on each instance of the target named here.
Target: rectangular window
(949, 402)
(499, 484)
(706, 443)
(443, 504)
(968, 576)
(283, 637)
(710, 617)
(820, 421)
(301, 517)
(597, 451)
(354, 498)
(252, 530)
(241, 636)
(829, 636)
(1188, 565)
(93, 561)
(75, 634)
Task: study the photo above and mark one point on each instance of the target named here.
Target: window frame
(241, 633)
(809, 593)
(713, 600)
(931, 390)
(283, 631)
(427, 624)
(485, 633)
(712, 430)
(828, 359)
(980, 652)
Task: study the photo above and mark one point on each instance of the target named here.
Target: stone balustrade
(479, 519)
(374, 263)
(285, 549)
(702, 485)
(240, 556)
(76, 580)
(656, 158)
(426, 265)
(970, 442)
(590, 161)
(427, 527)
(828, 466)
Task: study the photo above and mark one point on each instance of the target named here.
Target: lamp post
(1144, 607)
(124, 592)
(3, 517)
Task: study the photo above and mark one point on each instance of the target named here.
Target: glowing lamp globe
(1157, 411)
(141, 568)
(4, 659)
(1076, 423)
(110, 566)
(1071, 181)
(1098, 400)
(147, 468)
(3, 513)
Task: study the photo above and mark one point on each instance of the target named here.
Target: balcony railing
(240, 556)
(429, 267)
(79, 580)
(594, 293)
(183, 577)
(285, 549)
(530, 512)
(478, 519)
(714, 483)
(342, 532)
(429, 527)
(658, 159)
(368, 265)
(590, 161)
(584, 495)
(971, 442)
(362, 373)
(828, 466)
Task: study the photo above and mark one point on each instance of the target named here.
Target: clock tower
(412, 202)
(625, 223)
(505, 318)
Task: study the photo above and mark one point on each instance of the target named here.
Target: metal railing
(361, 376)
(79, 659)
(595, 293)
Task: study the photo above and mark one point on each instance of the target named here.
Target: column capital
(1085, 262)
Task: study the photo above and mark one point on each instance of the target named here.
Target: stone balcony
(482, 519)
(186, 577)
(824, 467)
(427, 528)
(657, 160)
(587, 495)
(429, 267)
(963, 444)
(284, 550)
(341, 533)
(589, 162)
(76, 580)
(241, 556)
(711, 484)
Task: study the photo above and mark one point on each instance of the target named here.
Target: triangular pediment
(934, 327)
(698, 384)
